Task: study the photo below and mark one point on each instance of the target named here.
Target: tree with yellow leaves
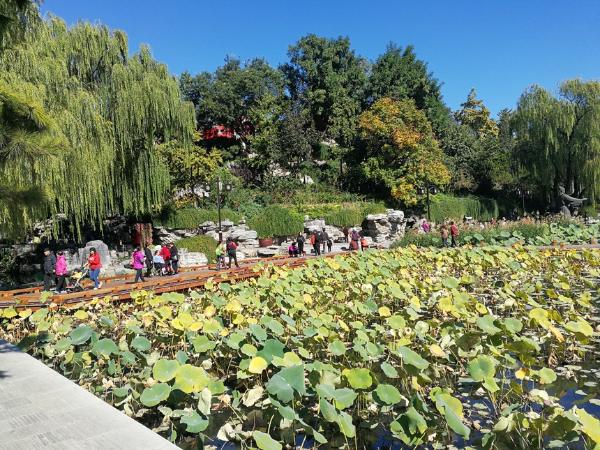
(401, 152)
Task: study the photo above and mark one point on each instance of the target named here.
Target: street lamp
(221, 187)
(522, 192)
(428, 189)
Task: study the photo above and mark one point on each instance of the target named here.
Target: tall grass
(445, 206)
(203, 244)
(191, 218)
(276, 221)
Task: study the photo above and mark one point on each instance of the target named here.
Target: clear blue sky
(498, 47)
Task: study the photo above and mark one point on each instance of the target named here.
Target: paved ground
(40, 409)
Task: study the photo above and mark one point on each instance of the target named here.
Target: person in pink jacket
(61, 273)
(137, 261)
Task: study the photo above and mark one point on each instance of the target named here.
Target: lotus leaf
(194, 422)
(412, 358)
(359, 378)
(388, 394)
(165, 369)
(141, 344)
(81, 334)
(190, 379)
(106, 347)
(265, 442)
(152, 396)
(257, 365)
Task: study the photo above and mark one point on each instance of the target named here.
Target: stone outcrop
(385, 228)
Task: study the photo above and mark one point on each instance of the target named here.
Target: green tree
(402, 153)
(475, 115)
(327, 78)
(400, 75)
(558, 138)
(110, 109)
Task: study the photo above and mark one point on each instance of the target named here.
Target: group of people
(55, 269)
(164, 260)
(229, 249)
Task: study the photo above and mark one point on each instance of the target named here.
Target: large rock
(187, 259)
(385, 228)
(241, 234)
(266, 252)
(84, 253)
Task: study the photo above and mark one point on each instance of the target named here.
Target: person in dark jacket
(49, 267)
(174, 258)
(300, 241)
(323, 238)
(149, 260)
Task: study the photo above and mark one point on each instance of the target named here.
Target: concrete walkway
(41, 409)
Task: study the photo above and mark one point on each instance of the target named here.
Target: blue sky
(498, 47)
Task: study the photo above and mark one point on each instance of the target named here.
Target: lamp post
(428, 189)
(522, 192)
(221, 187)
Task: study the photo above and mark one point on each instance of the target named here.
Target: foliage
(557, 139)
(475, 115)
(110, 111)
(445, 207)
(203, 244)
(530, 234)
(399, 75)
(401, 151)
(8, 267)
(347, 344)
(276, 221)
(191, 218)
(338, 214)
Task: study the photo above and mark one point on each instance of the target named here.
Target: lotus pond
(487, 347)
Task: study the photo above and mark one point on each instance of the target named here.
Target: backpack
(231, 247)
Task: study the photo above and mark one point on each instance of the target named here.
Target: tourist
(166, 254)
(425, 226)
(49, 267)
(300, 241)
(149, 260)
(61, 273)
(94, 264)
(158, 262)
(354, 239)
(293, 250)
(220, 255)
(346, 232)
(174, 257)
(454, 234)
(137, 262)
(323, 238)
(314, 240)
(444, 235)
(231, 252)
(329, 244)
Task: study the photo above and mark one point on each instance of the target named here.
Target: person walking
(323, 238)
(166, 254)
(149, 261)
(49, 266)
(137, 262)
(174, 257)
(314, 240)
(231, 252)
(220, 255)
(329, 244)
(94, 264)
(444, 235)
(300, 241)
(453, 234)
(61, 273)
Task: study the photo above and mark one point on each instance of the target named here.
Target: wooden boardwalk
(41, 409)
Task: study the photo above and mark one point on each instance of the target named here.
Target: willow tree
(558, 138)
(112, 111)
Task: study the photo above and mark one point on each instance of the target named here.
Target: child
(220, 255)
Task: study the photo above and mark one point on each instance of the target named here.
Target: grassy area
(444, 206)
(202, 244)
(274, 221)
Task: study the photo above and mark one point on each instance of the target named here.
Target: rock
(187, 259)
(385, 228)
(100, 247)
(265, 252)
(243, 235)
(312, 225)
(226, 224)
(208, 224)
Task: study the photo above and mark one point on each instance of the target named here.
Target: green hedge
(445, 206)
(275, 221)
(190, 218)
(202, 244)
(347, 214)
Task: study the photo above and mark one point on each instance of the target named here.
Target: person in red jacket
(94, 264)
(166, 254)
(453, 234)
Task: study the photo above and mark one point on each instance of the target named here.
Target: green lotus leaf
(283, 384)
(337, 348)
(152, 396)
(453, 412)
(347, 428)
(412, 358)
(513, 325)
(388, 394)
(194, 422)
(271, 348)
(396, 322)
(486, 323)
(265, 442)
(165, 370)
(389, 370)
(547, 375)
(190, 379)
(141, 344)
(105, 347)
(450, 283)
(359, 378)
(416, 422)
(202, 344)
(258, 332)
(248, 349)
(257, 365)
(581, 327)
(327, 410)
(81, 334)
(482, 367)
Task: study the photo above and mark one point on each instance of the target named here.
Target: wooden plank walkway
(41, 409)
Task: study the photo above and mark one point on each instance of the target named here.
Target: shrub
(445, 206)
(274, 221)
(191, 218)
(346, 214)
(202, 244)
